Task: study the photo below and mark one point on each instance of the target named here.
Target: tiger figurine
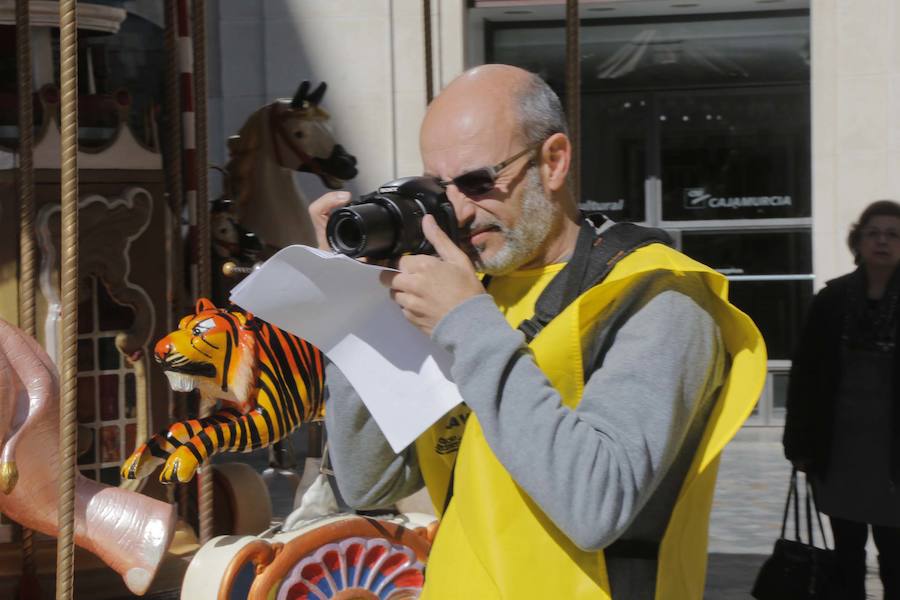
(266, 381)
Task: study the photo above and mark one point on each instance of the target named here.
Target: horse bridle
(305, 159)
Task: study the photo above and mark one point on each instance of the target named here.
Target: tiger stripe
(276, 378)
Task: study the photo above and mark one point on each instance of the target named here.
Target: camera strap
(601, 244)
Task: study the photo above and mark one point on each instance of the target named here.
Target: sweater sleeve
(368, 472)
(591, 469)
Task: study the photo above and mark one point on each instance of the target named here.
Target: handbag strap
(809, 529)
(811, 498)
(793, 499)
(792, 495)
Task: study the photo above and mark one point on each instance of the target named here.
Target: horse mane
(243, 151)
(247, 148)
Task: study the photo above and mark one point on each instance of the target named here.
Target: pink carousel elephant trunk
(130, 532)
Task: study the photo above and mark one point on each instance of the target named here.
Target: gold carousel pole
(68, 440)
(573, 92)
(27, 253)
(204, 268)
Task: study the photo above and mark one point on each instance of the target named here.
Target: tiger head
(214, 351)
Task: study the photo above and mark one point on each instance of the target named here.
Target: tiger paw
(180, 466)
(140, 464)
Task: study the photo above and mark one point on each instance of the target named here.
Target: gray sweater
(609, 469)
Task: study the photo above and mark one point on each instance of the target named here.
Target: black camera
(388, 222)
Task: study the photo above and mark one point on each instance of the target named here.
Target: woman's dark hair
(879, 208)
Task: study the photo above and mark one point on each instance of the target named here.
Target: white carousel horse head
(282, 137)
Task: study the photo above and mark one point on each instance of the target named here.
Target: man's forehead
(465, 140)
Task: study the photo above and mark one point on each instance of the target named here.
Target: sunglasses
(479, 182)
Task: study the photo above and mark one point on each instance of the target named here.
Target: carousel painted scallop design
(358, 568)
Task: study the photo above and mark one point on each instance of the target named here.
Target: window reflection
(613, 161)
(735, 155)
(751, 252)
(775, 307)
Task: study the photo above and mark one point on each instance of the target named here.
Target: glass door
(699, 125)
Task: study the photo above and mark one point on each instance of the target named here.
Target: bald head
(477, 103)
(504, 102)
(508, 123)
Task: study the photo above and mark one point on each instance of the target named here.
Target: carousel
(113, 258)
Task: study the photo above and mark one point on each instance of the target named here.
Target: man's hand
(319, 211)
(428, 287)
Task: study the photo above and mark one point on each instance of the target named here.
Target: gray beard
(528, 235)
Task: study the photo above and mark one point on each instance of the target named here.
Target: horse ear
(300, 96)
(204, 304)
(316, 96)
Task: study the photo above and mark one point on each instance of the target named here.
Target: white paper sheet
(339, 305)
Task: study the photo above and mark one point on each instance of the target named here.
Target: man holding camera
(583, 461)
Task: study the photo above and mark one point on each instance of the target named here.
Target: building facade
(754, 131)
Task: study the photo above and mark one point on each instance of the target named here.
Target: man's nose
(462, 206)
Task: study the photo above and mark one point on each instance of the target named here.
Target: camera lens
(362, 230)
(348, 234)
(388, 222)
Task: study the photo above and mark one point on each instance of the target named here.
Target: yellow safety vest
(495, 542)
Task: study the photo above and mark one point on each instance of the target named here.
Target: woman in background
(843, 411)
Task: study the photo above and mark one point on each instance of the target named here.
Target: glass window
(662, 53)
(735, 154)
(777, 308)
(107, 393)
(780, 381)
(751, 252)
(705, 121)
(614, 163)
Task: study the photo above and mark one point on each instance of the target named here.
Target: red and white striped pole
(194, 180)
(188, 136)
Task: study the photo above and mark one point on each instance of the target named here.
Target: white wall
(371, 54)
(855, 120)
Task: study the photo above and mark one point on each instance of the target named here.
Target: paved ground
(746, 519)
(746, 516)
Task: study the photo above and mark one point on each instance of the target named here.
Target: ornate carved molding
(106, 230)
(124, 150)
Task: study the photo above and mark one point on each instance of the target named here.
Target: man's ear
(556, 156)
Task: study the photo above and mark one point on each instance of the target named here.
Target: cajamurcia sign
(695, 198)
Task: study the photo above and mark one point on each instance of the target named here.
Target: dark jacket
(816, 377)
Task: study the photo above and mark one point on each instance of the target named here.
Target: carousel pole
(175, 188)
(188, 131)
(573, 92)
(202, 236)
(28, 586)
(68, 438)
(27, 254)
(204, 267)
(429, 61)
(193, 173)
(185, 58)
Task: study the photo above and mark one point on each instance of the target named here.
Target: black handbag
(798, 570)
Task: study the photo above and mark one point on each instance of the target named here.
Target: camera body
(388, 222)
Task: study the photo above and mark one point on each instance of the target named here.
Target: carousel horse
(231, 241)
(235, 250)
(267, 381)
(130, 532)
(276, 140)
